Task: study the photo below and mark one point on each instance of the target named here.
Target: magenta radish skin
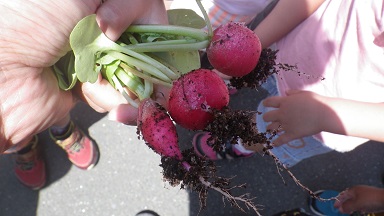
(158, 130)
(234, 49)
(193, 96)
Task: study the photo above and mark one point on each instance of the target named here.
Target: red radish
(234, 49)
(158, 130)
(193, 96)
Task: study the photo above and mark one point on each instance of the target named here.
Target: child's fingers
(342, 197)
(282, 139)
(272, 101)
(271, 116)
(346, 202)
(274, 126)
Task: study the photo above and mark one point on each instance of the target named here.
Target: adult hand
(360, 198)
(33, 37)
(114, 16)
(297, 115)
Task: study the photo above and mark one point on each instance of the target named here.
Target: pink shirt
(342, 42)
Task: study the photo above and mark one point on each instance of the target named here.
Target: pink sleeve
(339, 53)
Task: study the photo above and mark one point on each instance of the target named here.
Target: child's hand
(298, 114)
(361, 198)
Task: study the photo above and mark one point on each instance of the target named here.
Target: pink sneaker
(81, 150)
(30, 166)
(203, 149)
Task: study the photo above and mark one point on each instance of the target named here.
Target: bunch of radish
(134, 64)
(193, 98)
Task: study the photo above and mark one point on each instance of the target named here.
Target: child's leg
(61, 126)
(30, 165)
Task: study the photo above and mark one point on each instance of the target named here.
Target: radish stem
(169, 29)
(206, 18)
(149, 60)
(162, 47)
(132, 84)
(144, 76)
(142, 65)
(123, 91)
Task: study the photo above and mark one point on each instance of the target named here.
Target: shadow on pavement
(15, 198)
(275, 193)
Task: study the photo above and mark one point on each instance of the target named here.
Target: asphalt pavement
(128, 178)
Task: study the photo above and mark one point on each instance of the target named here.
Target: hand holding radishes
(34, 36)
(101, 95)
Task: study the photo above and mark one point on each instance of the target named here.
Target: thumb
(114, 16)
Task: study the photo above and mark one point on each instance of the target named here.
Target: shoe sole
(33, 187)
(96, 156)
(95, 160)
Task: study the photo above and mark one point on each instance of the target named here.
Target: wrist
(328, 119)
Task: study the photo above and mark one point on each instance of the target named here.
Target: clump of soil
(175, 173)
(231, 125)
(264, 68)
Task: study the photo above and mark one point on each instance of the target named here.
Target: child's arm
(361, 198)
(303, 113)
(286, 15)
